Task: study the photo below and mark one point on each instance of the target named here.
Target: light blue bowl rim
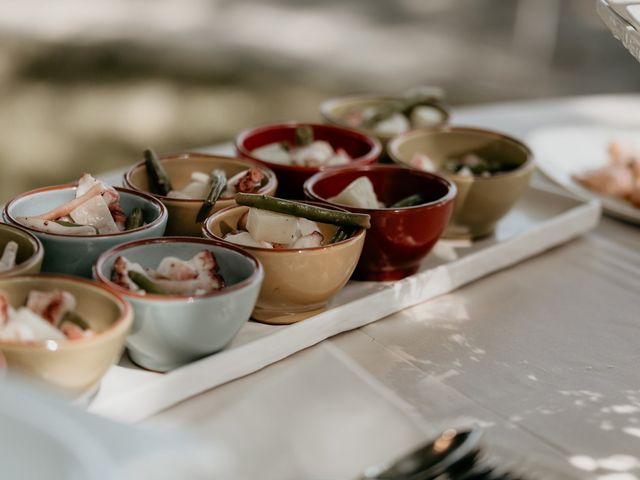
(255, 276)
(161, 218)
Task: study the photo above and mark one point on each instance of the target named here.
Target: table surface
(543, 355)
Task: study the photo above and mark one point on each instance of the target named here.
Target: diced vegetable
(312, 240)
(359, 193)
(310, 212)
(9, 254)
(95, 212)
(145, 283)
(303, 136)
(267, 226)
(274, 153)
(245, 238)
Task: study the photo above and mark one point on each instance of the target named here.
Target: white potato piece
(272, 227)
(359, 193)
(394, 125)
(312, 240)
(273, 152)
(200, 177)
(423, 116)
(95, 212)
(245, 238)
(26, 323)
(196, 190)
(8, 260)
(315, 154)
(307, 227)
(423, 162)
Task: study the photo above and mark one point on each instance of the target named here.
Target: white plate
(564, 151)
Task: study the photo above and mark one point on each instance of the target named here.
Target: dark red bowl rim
(272, 179)
(125, 312)
(392, 147)
(375, 147)
(163, 212)
(448, 197)
(209, 234)
(99, 263)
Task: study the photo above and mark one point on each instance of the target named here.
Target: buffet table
(542, 355)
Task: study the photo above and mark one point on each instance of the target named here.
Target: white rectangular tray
(541, 220)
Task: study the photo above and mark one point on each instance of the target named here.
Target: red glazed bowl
(362, 148)
(399, 238)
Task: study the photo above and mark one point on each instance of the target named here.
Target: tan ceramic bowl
(481, 201)
(335, 111)
(30, 251)
(71, 367)
(183, 212)
(297, 283)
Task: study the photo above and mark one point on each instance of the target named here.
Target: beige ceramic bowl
(30, 251)
(297, 283)
(183, 212)
(72, 367)
(481, 201)
(336, 110)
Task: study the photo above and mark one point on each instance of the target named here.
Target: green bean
(304, 136)
(218, 184)
(410, 201)
(342, 233)
(145, 283)
(298, 209)
(159, 181)
(135, 219)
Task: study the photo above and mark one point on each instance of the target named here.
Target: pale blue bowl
(75, 255)
(173, 330)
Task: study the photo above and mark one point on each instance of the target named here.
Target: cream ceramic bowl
(30, 250)
(481, 201)
(72, 367)
(298, 283)
(183, 212)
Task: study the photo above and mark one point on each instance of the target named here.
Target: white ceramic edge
(161, 392)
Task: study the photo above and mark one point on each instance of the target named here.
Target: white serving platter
(564, 151)
(541, 220)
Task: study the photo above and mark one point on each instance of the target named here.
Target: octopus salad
(173, 276)
(45, 316)
(95, 210)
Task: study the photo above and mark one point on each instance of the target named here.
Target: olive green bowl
(336, 111)
(30, 250)
(481, 201)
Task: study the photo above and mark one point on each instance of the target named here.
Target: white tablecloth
(545, 355)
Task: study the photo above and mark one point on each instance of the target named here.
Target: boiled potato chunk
(359, 193)
(272, 227)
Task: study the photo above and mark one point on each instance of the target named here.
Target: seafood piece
(8, 259)
(197, 276)
(52, 306)
(247, 181)
(422, 161)
(613, 180)
(359, 193)
(67, 208)
(634, 196)
(95, 212)
(57, 227)
(311, 240)
(245, 238)
(47, 316)
(86, 182)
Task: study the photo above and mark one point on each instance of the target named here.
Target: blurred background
(86, 85)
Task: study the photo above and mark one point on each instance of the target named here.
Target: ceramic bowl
(172, 330)
(72, 367)
(399, 238)
(30, 250)
(75, 255)
(362, 148)
(481, 201)
(183, 212)
(336, 111)
(298, 283)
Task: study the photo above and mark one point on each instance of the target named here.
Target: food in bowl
(45, 316)
(466, 165)
(284, 224)
(361, 193)
(173, 276)
(9, 256)
(95, 210)
(619, 178)
(303, 152)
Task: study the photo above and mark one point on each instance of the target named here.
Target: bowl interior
(390, 184)
(227, 220)
(94, 304)
(180, 167)
(26, 245)
(351, 142)
(234, 266)
(443, 144)
(39, 202)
